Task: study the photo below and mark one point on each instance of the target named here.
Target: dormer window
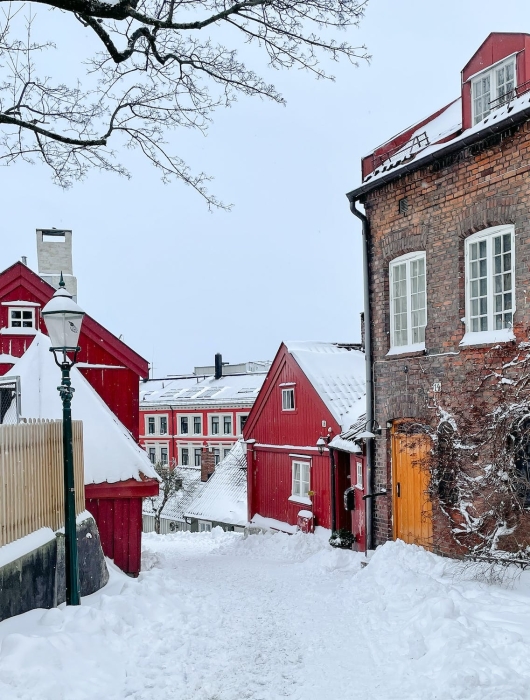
(492, 88)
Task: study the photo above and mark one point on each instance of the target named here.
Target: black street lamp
(63, 318)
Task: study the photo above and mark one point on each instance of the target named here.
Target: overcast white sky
(181, 283)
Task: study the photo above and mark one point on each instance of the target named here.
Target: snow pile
(110, 452)
(219, 616)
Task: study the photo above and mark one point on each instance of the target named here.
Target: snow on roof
(224, 496)
(346, 440)
(208, 391)
(110, 452)
(337, 374)
(177, 504)
(503, 116)
(447, 123)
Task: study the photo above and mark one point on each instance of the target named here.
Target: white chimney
(54, 255)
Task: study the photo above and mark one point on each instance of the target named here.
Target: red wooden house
(313, 392)
(113, 370)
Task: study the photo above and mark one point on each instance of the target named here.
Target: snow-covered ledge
(504, 335)
(304, 500)
(406, 349)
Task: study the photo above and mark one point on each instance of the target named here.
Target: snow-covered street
(218, 617)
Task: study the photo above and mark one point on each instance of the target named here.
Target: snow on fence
(31, 477)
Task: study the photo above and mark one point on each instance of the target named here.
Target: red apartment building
(181, 415)
(109, 365)
(446, 237)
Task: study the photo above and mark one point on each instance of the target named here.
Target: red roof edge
(94, 330)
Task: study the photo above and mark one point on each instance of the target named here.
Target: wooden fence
(31, 477)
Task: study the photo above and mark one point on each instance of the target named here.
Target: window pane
(184, 425)
(227, 425)
(197, 425)
(185, 456)
(151, 426)
(215, 425)
(197, 457)
(163, 425)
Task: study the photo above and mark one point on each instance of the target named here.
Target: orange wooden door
(412, 507)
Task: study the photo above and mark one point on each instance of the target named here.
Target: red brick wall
(479, 190)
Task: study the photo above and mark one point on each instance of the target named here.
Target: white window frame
(406, 259)
(147, 419)
(297, 488)
(240, 417)
(195, 450)
(179, 425)
(492, 72)
(359, 483)
(286, 404)
(157, 447)
(165, 461)
(492, 334)
(181, 461)
(210, 423)
(204, 526)
(22, 309)
(231, 418)
(201, 422)
(160, 425)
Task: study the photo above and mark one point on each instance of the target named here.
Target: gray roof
(224, 496)
(233, 390)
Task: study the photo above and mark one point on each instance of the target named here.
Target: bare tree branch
(160, 66)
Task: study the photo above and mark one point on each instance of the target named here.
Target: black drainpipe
(333, 488)
(369, 385)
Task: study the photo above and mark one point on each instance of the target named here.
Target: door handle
(398, 489)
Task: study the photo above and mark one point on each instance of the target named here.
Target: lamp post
(63, 318)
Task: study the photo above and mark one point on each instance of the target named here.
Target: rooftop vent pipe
(218, 365)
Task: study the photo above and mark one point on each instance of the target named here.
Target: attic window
(21, 318)
(403, 205)
(493, 88)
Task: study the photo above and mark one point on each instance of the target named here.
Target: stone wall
(487, 187)
(36, 580)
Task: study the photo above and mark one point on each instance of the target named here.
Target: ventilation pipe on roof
(218, 365)
(369, 384)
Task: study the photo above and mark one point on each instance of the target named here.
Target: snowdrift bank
(218, 617)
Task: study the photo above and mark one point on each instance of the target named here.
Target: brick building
(446, 239)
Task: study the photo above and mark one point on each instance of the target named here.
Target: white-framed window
(227, 425)
(288, 400)
(214, 425)
(151, 428)
(301, 481)
(163, 425)
(359, 483)
(197, 454)
(184, 425)
(216, 455)
(490, 283)
(21, 317)
(158, 453)
(197, 425)
(226, 451)
(408, 301)
(205, 526)
(492, 88)
(242, 421)
(184, 456)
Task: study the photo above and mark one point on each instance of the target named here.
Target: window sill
(487, 337)
(18, 331)
(416, 348)
(304, 500)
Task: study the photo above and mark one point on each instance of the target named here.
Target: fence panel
(31, 477)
